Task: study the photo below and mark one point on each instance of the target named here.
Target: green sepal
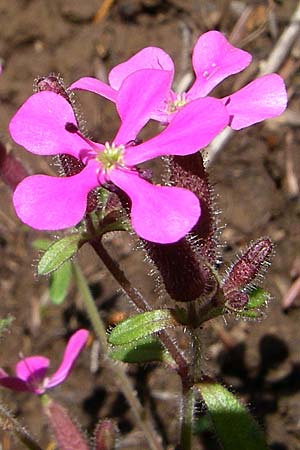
(257, 298)
(59, 252)
(234, 426)
(60, 282)
(141, 325)
(143, 350)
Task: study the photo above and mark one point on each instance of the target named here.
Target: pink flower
(46, 125)
(31, 372)
(214, 59)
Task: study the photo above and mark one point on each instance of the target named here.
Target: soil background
(256, 181)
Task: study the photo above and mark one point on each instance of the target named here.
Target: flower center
(111, 156)
(175, 104)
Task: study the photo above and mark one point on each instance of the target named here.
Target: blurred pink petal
(72, 351)
(261, 99)
(158, 214)
(192, 128)
(215, 59)
(39, 126)
(53, 203)
(15, 384)
(32, 371)
(32, 368)
(135, 102)
(94, 85)
(147, 58)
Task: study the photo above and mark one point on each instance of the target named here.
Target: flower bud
(105, 435)
(53, 83)
(12, 170)
(182, 265)
(249, 265)
(67, 435)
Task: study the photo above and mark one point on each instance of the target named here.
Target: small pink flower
(31, 372)
(46, 125)
(214, 59)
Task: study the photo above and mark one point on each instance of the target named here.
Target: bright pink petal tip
(158, 214)
(135, 103)
(32, 369)
(54, 203)
(214, 59)
(192, 128)
(93, 85)
(263, 98)
(147, 58)
(72, 351)
(39, 125)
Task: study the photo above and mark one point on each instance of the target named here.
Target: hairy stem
(9, 423)
(141, 304)
(188, 401)
(122, 379)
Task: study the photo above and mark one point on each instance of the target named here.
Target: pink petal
(192, 128)
(32, 370)
(147, 58)
(39, 126)
(158, 214)
(214, 59)
(261, 99)
(54, 203)
(96, 86)
(137, 102)
(15, 384)
(72, 351)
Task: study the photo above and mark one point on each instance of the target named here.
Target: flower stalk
(123, 381)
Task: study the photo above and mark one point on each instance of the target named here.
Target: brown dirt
(259, 360)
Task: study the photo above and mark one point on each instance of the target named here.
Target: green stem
(187, 419)
(141, 304)
(123, 380)
(91, 308)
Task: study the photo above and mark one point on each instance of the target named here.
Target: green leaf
(257, 298)
(59, 252)
(143, 350)
(141, 325)
(60, 282)
(234, 426)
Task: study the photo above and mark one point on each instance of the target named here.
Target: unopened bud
(105, 435)
(249, 265)
(12, 171)
(52, 83)
(184, 265)
(184, 277)
(67, 435)
(189, 172)
(237, 299)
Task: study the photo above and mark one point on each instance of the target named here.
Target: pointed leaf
(141, 325)
(234, 426)
(59, 252)
(60, 283)
(143, 350)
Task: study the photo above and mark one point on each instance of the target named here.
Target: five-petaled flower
(214, 59)
(31, 372)
(46, 125)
